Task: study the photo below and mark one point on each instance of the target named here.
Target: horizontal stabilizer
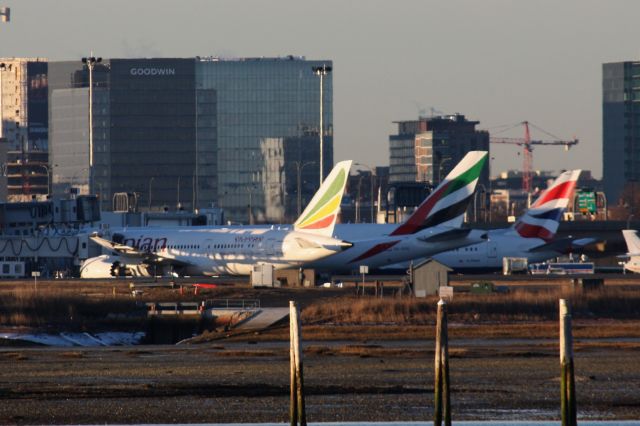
(564, 245)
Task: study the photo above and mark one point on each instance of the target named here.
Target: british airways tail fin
(322, 211)
(542, 219)
(449, 201)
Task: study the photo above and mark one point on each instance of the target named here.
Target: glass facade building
(620, 127)
(192, 132)
(267, 106)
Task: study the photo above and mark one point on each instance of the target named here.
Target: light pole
(321, 71)
(358, 200)
(90, 62)
(48, 169)
(178, 194)
(475, 202)
(250, 191)
(299, 167)
(150, 182)
(373, 182)
(440, 167)
(490, 185)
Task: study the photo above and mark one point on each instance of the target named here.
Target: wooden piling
(293, 412)
(441, 389)
(297, 380)
(568, 408)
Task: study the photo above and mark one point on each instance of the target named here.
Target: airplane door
(271, 246)
(492, 249)
(208, 248)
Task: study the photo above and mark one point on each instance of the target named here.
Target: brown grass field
(365, 358)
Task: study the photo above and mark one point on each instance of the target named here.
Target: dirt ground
(344, 381)
(499, 371)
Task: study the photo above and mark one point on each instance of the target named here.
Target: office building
(192, 132)
(620, 127)
(427, 149)
(24, 126)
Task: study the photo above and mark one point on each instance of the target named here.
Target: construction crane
(527, 150)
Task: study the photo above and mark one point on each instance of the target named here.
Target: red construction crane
(527, 150)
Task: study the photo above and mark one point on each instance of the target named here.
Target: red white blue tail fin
(542, 219)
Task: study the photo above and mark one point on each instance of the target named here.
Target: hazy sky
(499, 62)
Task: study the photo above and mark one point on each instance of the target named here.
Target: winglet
(542, 219)
(450, 199)
(322, 212)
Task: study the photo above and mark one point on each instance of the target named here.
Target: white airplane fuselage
(487, 255)
(374, 247)
(215, 251)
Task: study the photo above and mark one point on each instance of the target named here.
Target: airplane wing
(565, 245)
(452, 234)
(131, 252)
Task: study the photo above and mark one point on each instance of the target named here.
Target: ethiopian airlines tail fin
(449, 201)
(322, 212)
(542, 219)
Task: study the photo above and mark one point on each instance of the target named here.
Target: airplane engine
(108, 266)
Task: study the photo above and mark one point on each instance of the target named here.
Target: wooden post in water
(568, 407)
(297, 382)
(293, 412)
(441, 389)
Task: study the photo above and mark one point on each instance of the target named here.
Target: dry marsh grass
(519, 305)
(49, 307)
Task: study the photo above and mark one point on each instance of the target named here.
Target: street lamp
(475, 202)
(299, 167)
(373, 177)
(90, 62)
(48, 169)
(150, 182)
(358, 199)
(250, 189)
(321, 71)
(440, 167)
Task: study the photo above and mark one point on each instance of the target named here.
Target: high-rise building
(24, 126)
(192, 132)
(427, 149)
(620, 126)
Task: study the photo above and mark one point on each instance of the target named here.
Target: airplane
(435, 226)
(633, 248)
(226, 250)
(532, 236)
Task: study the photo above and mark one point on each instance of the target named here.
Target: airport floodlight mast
(527, 149)
(91, 62)
(321, 71)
